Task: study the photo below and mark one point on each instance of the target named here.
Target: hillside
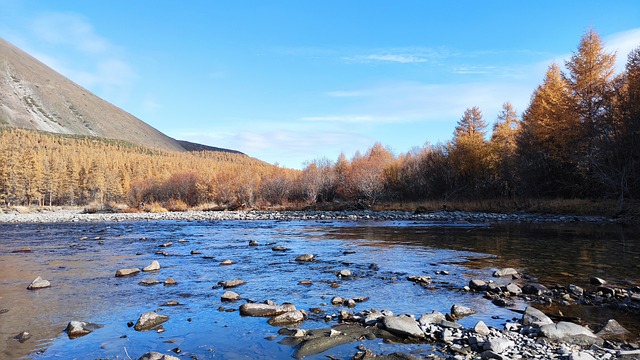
(34, 96)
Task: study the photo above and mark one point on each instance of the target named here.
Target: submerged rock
(230, 296)
(149, 320)
(226, 262)
(420, 280)
(127, 272)
(170, 281)
(305, 258)
(39, 283)
(149, 282)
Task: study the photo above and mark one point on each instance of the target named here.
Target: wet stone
(39, 283)
(149, 321)
(232, 283)
(460, 311)
(279, 248)
(226, 262)
(157, 356)
(149, 282)
(344, 273)
(505, 272)
(170, 282)
(127, 272)
(80, 328)
(305, 258)
(230, 296)
(154, 266)
(23, 336)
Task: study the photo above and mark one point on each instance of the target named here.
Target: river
(80, 261)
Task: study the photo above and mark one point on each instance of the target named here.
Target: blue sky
(292, 81)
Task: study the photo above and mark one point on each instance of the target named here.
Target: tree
(503, 148)
(468, 153)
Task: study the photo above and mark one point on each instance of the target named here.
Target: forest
(579, 138)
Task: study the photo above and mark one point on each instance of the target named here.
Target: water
(84, 286)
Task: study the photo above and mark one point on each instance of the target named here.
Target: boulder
(570, 333)
(127, 272)
(80, 328)
(597, 281)
(305, 258)
(226, 262)
(149, 320)
(459, 311)
(435, 317)
(505, 272)
(157, 356)
(232, 283)
(154, 266)
(39, 283)
(535, 289)
(535, 317)
(288, 318)
(477, 285)
(344, 273)
(265, 310)
(170, 281)
(482, 329)
(403, 325)
(337, 300)
(514, 289)
(230, 296)
(420, 280)
(498, 345)
(149, 282)
(612, 330)
(279, 248)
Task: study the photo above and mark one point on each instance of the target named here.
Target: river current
(81, 259)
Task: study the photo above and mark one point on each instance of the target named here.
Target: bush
(154, 207)
(175, 205)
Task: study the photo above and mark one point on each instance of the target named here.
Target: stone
(279, 248)
(613, 331)
(372, 316)
(403, 325)
(154, 266)
(253, 243)
(167, 244)
(39, 283)
(597, 281)
(195, 252)
(226, 262)
(305, 282)
(344, 273)
(459, 311)
(420, 280)
(581, 355)
(450, 324)
(513, 289)
(149, 282)
(481, 328)
(288, 318)
(535, 317)
(575, 290)
(535, 289)
(157, 356)
(230, 296)
(76, 329)
(24, 249)
(477, 285)
(435, 317)
(305, 258)
(265, 310)
(505, 272)
(149, 320)
(127, 272)
(232, 283)
(337, 300)
(490, 355)
(22, 337)
(498, 345)
(570, 333)
(170, 282)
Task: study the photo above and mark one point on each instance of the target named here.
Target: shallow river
(81, 259)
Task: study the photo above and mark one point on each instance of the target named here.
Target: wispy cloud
(623, 43)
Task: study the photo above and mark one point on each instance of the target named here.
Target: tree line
(579, 137)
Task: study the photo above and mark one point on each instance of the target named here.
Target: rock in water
(459, 311)
(157, 356)
(149, 320)
(127, 272)
(344, 273)
(403, 325)
(232, 283)
(435, 317)
(570, 333)
(505, 272)
(612, 330)
(154, 266)
(305, 258)
(226, 262)
(23, 336)
(170, 281)
(288, 318)
(265, 310)
(477, 285)
(76, 329)
(533, 316)
(535, 289)
(39, 283)
(230, 296)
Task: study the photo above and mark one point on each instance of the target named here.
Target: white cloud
(623, 43)
(70, 30)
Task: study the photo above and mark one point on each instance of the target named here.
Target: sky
(291, 81)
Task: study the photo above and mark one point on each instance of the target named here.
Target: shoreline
(454, 217)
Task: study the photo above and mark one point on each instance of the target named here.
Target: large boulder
(288, 318)
(39, 283)
(436, 317)
(127, 272)
(265, 310)
(570, 333)
(535, 317)
(612, 330)
(149, 320)
(154, 266)
(459, 311)
(403, 325)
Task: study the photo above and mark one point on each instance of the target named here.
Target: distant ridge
(189, 146)
(33, 96)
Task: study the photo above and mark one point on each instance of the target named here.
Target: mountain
(34, 96)
(189, 146)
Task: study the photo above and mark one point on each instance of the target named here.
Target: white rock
(154, 266)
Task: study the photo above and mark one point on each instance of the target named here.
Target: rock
(403, 325)
(597, 281)
(232, 283)
(372, 316)
(279, 248)
(581, 355)
(421, 280)
(344, 273)
(459, 311)
(288, 318)
(230, 296)
(24, 249)
(149, 320)
(450, 324)
(80, 328)
(482, 329)
(149, 282)
(535, 289)
(305, 282)
(157, 356)
(613, 331)
(570, 333)
(498, 345)
(23, 336)
(329, 339)
(154, 266)
(127, 272)
(575, 290)
(195, 252)
(490, 355)
(505, 272)
(226, 262)
(514, 289)
(265, 310)
(477, 285)
(305, 258)
(435, 317)
(253, 243)
(535, 317)
(337, 300)
(39, 283)
(170, 281)
(167, 244)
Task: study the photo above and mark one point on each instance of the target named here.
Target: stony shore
(78, 215)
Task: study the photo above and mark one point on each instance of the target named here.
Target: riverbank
(55, 215)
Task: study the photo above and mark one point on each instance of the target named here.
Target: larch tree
(503, 146)
(468, 153)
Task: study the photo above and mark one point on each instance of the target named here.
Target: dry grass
(154, 207)
(176, 205)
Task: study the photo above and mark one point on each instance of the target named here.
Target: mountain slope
(34, 96)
